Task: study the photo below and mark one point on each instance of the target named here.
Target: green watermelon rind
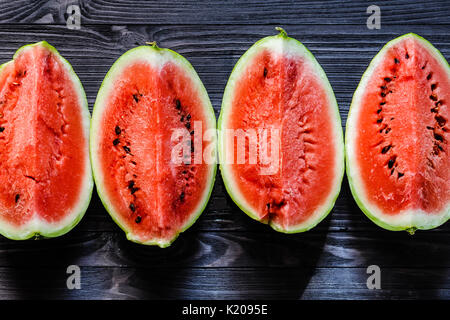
(228, 181)
(123, 60)
(351, 175)
(52, 231)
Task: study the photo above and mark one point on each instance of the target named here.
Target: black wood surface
(227, 255)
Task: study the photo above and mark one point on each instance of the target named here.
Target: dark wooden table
(227, 255)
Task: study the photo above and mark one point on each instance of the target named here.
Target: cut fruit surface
(44, 149)
(278, 89)
(397, 137)
(147, 95)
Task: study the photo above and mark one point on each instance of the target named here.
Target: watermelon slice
(397, 137)
(148, 94)
(44, 150)
(277, 88)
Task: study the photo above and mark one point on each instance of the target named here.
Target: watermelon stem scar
(282, 32)
(152, 44)
(279, 84)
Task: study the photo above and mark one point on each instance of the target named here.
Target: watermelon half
(279, 88)
(397, 137)
(44, 145)
(148, 94)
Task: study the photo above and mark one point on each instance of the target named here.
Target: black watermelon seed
(182, 118)
(2, 129)
(379, 110)
(387, 79)
(265, 72)
(188, 117)
(429, 76)
(391, 163)
(17, 198)
(133, 162)
(132, 207)
(386, 149)
(192, 132)
(184, 172)
(133, 190)
(437, 104)
(178, 104)
(118, 130)
(407, 56)
(396, 60)
(392, 171)
(382, 103)
(383, 94)
(138, 219)
(116, 142)
(434, 110)
(380, 120)
(400, 174)
(127, 150)
(430, 128)
(130, 184)
(182, 196)
(439, 147)
(188, 125)
(438, 137)
(387, 130)
(433, 86)
(433, 97)
(383, 87)
(135, 97)
(440, 120)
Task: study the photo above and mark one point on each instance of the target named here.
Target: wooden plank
(212, 249)
(217, 283)
(250, 12)
(226, 254)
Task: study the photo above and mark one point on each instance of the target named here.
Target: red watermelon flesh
(291, 195)
(400, 132)
(44, 162)
(152, 197)
(284, 90)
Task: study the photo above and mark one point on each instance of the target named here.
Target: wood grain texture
(226, 255)
(232, 12)
(218, 283)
